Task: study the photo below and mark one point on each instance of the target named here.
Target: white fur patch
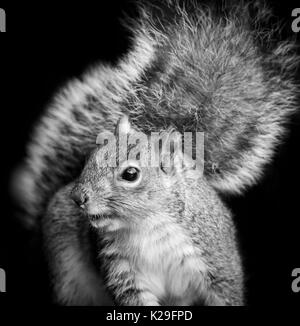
(165, 262)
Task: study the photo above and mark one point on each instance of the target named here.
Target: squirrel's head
(129, 177)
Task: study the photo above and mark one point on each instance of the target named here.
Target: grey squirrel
(195, 67)
(165, 236)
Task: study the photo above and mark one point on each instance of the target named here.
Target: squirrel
(195, 66)
(165, 237)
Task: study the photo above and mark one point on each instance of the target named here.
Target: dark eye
(130, 174)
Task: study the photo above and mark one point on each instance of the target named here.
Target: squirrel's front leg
(123, 284)
(133, 296)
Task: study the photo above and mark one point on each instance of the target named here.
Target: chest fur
(167, 264)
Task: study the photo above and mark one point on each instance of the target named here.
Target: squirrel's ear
(124, 125)
(171, 153)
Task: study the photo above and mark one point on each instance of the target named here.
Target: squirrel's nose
(79, 198)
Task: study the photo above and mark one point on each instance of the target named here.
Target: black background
(45, 45)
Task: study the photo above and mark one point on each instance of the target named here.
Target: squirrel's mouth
(105, 222)
(97, 213)
(97, 217)
(96, 220)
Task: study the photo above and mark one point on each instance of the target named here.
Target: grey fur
(195, 69)
(173, 214)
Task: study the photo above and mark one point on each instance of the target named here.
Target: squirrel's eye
(130, 174)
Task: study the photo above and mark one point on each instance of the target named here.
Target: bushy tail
(211, 67)
(21, 190)
(218, 69)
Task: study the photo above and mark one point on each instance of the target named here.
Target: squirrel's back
(196, 67)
